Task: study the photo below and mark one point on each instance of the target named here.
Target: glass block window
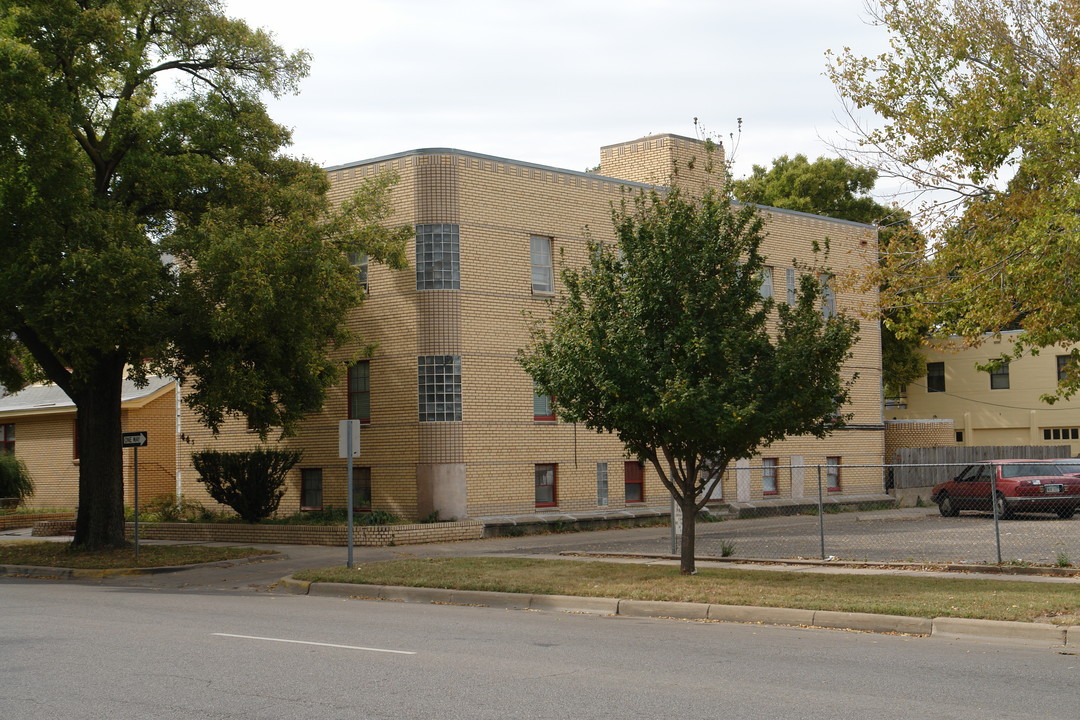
(359, 263)
(791, 286)
(766, 282)
(935, 377)
(999, 377)
(543, 271)
(601, 484)
(438, 382)
(544, 477)
(768, 475)
(311, 489)
(361, 488)
(360, 391)
(437, 257)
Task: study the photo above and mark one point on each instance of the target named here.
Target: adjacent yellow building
(450, 421)
(993, 408)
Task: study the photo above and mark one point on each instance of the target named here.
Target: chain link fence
(996, 512)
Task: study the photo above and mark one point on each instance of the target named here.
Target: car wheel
(945, 506)
(1003, 510)
(1066, 513)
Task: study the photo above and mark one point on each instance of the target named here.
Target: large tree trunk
(689, 524)
(97, 396)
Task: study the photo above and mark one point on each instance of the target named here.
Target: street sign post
(135, 440)
(349, 447)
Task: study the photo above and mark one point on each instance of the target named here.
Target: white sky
(552, 81)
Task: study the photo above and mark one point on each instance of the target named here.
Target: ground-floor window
(832, 474)
(545, 477)
(7, 438)
(634, 479)
(601, 484)
(361, 488)
(311, 489)
(768, 475)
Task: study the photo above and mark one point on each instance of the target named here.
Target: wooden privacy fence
(946, 462)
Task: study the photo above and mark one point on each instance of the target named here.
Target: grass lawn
(60, 555)
(884, 594)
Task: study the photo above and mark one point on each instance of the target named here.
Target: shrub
(15, 480)
(248, 482)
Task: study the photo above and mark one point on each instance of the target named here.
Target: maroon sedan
(1046, 486)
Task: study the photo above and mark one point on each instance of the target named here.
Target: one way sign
(133, 439)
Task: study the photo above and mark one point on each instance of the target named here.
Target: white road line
(305, 642)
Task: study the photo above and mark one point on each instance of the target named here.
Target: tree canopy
(663, 340)
(152, 224)
(979, 102)
(838, 188)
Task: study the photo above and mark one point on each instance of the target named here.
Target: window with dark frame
(959, 436)
(360, 391)
(438, 257)
(311, 489)
(74, 439)
(999, 377)
(634, 481)
(545, 476)
(542, 410)
(1064, 365)
(768, 475)
(361, 488)
(1063, 433)
(935, 377)
(7, 438)
(359, 261)
(601, 484)
(832, 474)
(543, 270)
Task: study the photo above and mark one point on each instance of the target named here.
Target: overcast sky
(551, 81)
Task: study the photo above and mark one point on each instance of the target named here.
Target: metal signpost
(349, 447)
(135, 440)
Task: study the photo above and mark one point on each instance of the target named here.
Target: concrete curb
(1039, 634)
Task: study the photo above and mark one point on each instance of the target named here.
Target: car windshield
(1015, 470)
(1069, 467)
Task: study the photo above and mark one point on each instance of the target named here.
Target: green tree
(979, 98)
(248, 482)
(663, 341)
(837, 188)
(151, 223)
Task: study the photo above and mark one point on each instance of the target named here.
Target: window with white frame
(438, 384)
(766, 282)
(828, 295)
(359, 263)
(791, 286)
(543, 270)
(437, 257)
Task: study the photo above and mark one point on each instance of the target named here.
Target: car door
(972, 488)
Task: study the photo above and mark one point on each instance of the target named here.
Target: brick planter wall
(22, 520)
(365, 536)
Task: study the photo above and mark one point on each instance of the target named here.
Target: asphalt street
(107, 651)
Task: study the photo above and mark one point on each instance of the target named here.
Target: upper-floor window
(1064, 365)
(359, 263)
(543, 270)
(790, 286)
(438, 381)
(999, 377)
(360, 391)
(437, 257)
(935, 377)
(542, 409)
(766, 282)
(828, 295)
(7, 438)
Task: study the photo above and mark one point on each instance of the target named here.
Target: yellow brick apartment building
(450, 420)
